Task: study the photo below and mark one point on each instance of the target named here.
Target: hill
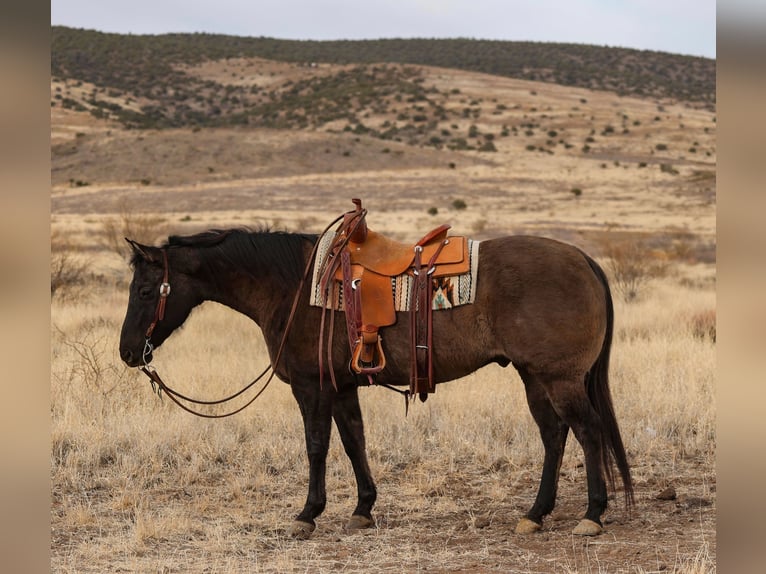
(169, 125)
(149, 81)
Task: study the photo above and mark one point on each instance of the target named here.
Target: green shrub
(668, 168)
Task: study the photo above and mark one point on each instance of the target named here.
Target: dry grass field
(140, 486)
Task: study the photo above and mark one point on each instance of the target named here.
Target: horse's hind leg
(553, 432)
(316, 409)
(348, 418)
(570, 400)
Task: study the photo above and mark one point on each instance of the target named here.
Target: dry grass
(139, 485)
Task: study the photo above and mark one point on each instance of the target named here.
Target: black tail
(597, 384)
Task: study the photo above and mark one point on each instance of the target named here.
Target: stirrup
(356, 365)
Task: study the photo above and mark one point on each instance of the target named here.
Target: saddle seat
(386, 256)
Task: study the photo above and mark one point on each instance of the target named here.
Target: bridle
(159, 314)
(158, 385)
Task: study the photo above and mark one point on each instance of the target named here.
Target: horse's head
(161, 298)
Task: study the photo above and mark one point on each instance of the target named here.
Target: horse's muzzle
(133, 359)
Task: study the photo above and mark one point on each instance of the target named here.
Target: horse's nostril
(127, 355)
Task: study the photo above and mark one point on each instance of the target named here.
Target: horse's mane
(256, 252)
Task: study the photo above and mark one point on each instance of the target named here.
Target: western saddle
(361, 263)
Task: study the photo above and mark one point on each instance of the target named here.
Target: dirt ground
(463, 525)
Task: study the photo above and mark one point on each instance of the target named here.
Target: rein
(158, 385)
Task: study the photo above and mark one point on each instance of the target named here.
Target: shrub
(432, 211)
(459, 204)
(67, 275)
(703, 325)
(141, 227)
(576, 191)
(631, 264)
(479, 225)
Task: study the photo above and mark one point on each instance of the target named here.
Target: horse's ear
(150, 254)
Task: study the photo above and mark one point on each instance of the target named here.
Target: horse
(542, 305)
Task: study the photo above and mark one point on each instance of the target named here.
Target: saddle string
(326, 272)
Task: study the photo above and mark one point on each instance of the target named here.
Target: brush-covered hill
(158, 81)
(251, 128)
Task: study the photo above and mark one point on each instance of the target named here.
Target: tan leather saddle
(363, 263)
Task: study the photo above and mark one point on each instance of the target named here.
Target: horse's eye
(145, 292)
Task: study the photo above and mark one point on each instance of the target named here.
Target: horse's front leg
(348, 419)
(316, 410)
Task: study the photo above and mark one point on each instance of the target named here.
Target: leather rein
(158, 385)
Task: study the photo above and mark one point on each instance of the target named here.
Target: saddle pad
(448, 291)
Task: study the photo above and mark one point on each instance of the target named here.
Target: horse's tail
(597, 384)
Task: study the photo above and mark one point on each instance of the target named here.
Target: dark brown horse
(541, 305)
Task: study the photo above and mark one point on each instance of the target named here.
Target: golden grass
(139, 485)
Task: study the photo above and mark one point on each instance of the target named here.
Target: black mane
(257, 253)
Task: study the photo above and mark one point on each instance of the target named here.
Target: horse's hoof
(527, 526)
(301, 530)
(358, 522)
(587, 528)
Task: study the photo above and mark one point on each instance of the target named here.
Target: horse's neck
(243, 295)
(266, 299)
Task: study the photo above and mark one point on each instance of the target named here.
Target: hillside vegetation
(151, 81)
